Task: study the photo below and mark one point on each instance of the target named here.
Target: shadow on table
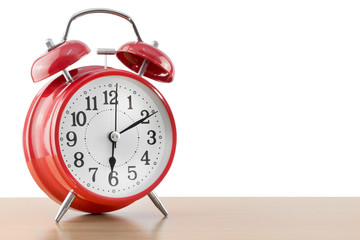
(103, 226)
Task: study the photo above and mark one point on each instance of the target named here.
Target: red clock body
(66, 138)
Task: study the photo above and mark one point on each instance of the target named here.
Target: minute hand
(137, 123)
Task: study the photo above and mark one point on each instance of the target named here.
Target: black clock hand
(137, 123)
(112, 159)
(116, 104)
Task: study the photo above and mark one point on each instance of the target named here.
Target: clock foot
(156, 200)
(65, 206)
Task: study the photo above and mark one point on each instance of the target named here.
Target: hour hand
(112, 161)
(114, 137)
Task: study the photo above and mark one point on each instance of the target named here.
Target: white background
(266, 95)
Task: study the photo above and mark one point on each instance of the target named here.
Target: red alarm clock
(96, 138)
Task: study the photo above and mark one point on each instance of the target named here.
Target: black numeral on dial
(145, 158)
(79, 161)
(72, 139)
(110, 95)
(78, 119)
(113, 180)
(152, 139)
(88, 103)
(93, 176)
(145, 113)
(130, 102)
(132, 172)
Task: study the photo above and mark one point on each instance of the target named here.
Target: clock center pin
(114, 136)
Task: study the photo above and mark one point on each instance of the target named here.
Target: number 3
(152, 134)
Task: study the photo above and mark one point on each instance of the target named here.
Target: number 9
(71, 137)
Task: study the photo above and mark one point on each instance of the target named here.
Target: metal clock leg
(65, 206)
(156, 200)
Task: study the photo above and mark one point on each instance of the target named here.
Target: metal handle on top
(100, 10)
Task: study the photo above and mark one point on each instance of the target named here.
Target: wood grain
(189, 218)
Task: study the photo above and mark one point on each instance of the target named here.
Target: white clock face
(115, 148)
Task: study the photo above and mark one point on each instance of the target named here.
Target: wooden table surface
(189, 218)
